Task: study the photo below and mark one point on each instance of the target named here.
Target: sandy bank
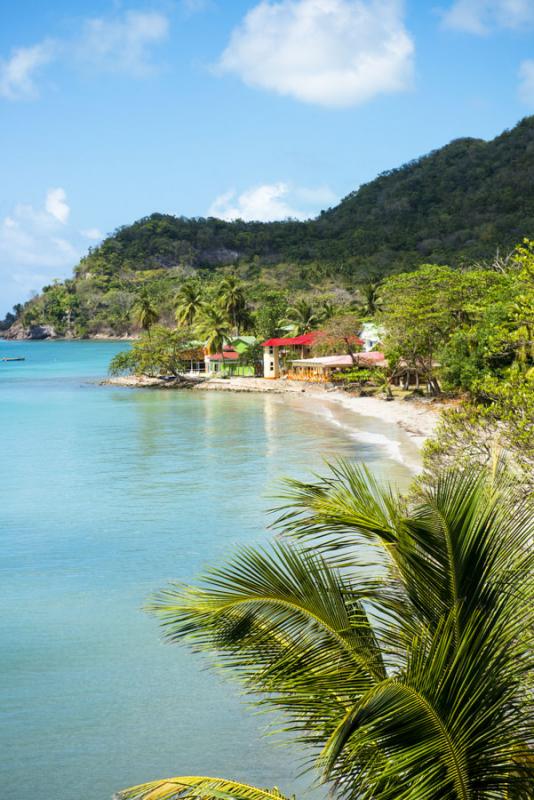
(417, 417)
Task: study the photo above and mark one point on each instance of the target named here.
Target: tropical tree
(339, 334)
(189, 301)
(144, 310)
(214, 328)
(231, 295)
(393, 632)
(303, 316)
(371, 302)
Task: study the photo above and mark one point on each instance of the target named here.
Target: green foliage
(303, 317)
(269, 316)
(393, 633)
(358, 376)
(144, 310)
(500, 417)
(189, 301)
(160, 351)
(338, 335)
(123, 363)
(199, 788)
(214, 328)
(232, 297)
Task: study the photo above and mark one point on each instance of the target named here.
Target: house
(320, 369)
(371, 335)
(228, 362)
(277, 351)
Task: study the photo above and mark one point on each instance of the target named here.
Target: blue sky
(112, 110)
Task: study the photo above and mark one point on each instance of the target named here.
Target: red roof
(229, 355)
(304, 339)
(372, 355)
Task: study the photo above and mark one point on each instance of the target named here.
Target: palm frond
(198, 788)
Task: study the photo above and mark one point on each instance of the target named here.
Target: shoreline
(417, 418)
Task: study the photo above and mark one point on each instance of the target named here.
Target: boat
(17, 358)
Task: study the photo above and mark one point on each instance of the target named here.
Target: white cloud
(483, 16)
(526, 84)
(330, 52)
(17, 73)
(56, 204)
(123, 44)
(271, 201)
(36, 247)
(92, 233)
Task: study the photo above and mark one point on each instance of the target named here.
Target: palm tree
(231, 295)
(395, 634)
(303, 316)
(371, 297)
(144, 310)
(215, 329)
(189, 301)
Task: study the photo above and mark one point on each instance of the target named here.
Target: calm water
(105, 495)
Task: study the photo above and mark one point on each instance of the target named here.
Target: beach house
(321, 369)
(278, 352)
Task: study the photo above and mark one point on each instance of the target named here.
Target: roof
(229, 355)
(304, 339)
(341, 360)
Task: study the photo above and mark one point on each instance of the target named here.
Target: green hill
(460, 203)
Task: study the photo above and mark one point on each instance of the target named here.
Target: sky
(259, 109)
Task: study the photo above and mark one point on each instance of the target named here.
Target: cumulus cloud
(18, 72)
(270, 201)
(329, 52)
(123, 43)
(483, 16)
(35, 247)
(526, 82)
(56, 204)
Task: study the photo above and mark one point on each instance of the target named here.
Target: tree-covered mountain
(464, 200)
(458, 204)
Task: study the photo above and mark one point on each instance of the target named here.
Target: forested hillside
(461, 201)
(458, 204)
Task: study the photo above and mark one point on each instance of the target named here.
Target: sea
(106, 495)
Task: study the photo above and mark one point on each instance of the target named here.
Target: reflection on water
(106, 495)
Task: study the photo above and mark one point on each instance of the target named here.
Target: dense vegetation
(393, 633)
(457, 205)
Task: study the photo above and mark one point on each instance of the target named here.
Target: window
(272, 364)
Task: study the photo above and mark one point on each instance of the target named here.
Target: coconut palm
(144, 310)
(189, 301)
(231, 295)
(303, 316)
(370, 292)
(394, 633)
(214, 328)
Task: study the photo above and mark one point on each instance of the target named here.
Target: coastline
(418, 418)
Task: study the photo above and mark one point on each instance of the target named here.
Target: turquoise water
(106, 494)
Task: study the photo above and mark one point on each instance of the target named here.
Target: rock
(35, 332)
(41, 332)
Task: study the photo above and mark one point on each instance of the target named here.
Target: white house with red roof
(275, 349)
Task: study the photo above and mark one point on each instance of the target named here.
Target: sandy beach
(417, 417)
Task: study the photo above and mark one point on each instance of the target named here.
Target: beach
(417, 417)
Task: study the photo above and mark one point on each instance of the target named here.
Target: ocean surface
(105, 495)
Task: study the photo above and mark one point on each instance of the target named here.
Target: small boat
(17, 358)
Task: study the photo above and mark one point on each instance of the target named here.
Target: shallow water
(106, 494)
